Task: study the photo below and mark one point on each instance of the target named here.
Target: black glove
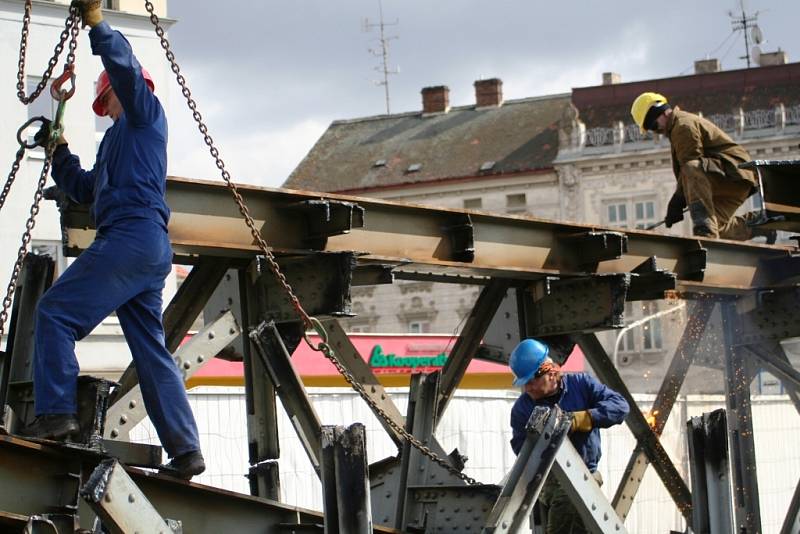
(675, 209)
(43, 135)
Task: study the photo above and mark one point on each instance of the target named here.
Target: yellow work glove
(581, 422)
(91, 14)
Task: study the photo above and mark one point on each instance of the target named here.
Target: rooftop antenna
(383, 51)
(744, 22)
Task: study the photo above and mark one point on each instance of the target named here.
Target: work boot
(184, 466)
(52, 426)
(701, 220)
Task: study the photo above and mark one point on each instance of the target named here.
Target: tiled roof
(376, 152)
(711, 93)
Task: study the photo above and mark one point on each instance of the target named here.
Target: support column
(738, 375)
(345, 480)
(710, 470)
(262, 412)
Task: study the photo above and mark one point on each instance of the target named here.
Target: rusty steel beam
(438, 241)
(44, 479)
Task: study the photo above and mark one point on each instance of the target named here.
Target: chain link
(29, 224)
(308, 321)
(71, 29)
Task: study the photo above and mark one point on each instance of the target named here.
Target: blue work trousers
(123, 270)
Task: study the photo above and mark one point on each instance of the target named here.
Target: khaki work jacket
(695, 138)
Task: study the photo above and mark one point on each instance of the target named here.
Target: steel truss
(563, 282)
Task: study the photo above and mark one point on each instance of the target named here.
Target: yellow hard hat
(642, 105)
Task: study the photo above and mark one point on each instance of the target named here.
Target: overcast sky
(269, 76)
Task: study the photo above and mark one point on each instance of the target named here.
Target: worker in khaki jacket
(706, 164)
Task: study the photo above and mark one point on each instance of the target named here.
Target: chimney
(773, 58)
(611, 78)
(488, 93)
(435, 99)
(704, 66)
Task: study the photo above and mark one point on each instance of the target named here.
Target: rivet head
(211, 335)
(123, 419)
(114, 433)
(187, 365)
(132, 404)
(107, 497)
(131, 498)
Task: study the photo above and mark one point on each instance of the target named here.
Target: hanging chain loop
(309, 323)
(71, 29)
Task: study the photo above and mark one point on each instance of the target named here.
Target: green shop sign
(380, 360)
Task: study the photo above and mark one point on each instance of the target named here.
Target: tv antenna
(744, 22)
(383, 51)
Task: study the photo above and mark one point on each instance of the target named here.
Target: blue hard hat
(526, 359)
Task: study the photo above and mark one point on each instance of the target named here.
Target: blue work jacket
(577, 392)
(128, 180)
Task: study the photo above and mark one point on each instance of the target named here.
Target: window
(651, 330)
(630, 213)
(646, 336)
(516, 203)
(645, 213)
(617, 214)
(473, 203)
(419, 327)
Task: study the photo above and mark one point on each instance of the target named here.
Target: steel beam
(38, 479)
(646, 438)
(345, 480)
(770, 315)
(129, 409)
(469, 341)
(420, 239)
(416, 469)
(260, 402)
(547, 429)
(699, 314)
(182, 311)
(276, 359)
(17, 360)
(578, 483)
(738, 375)
(710, 472)
(121, 505)
(352, 361)
(574, 305)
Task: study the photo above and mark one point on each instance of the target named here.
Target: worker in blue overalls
(124, 268)
(592, 405)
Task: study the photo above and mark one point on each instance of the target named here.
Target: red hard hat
(104, 84)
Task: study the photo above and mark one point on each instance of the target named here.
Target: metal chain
(71, 29)
(308, 321)
(26, 236)
(12, 175)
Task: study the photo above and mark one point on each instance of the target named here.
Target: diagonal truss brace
(547, 430)
(129, 410)
(121, 505)
(638, 425)
(699, 314)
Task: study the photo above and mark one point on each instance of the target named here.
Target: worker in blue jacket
(593, 406)
(125, 267)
